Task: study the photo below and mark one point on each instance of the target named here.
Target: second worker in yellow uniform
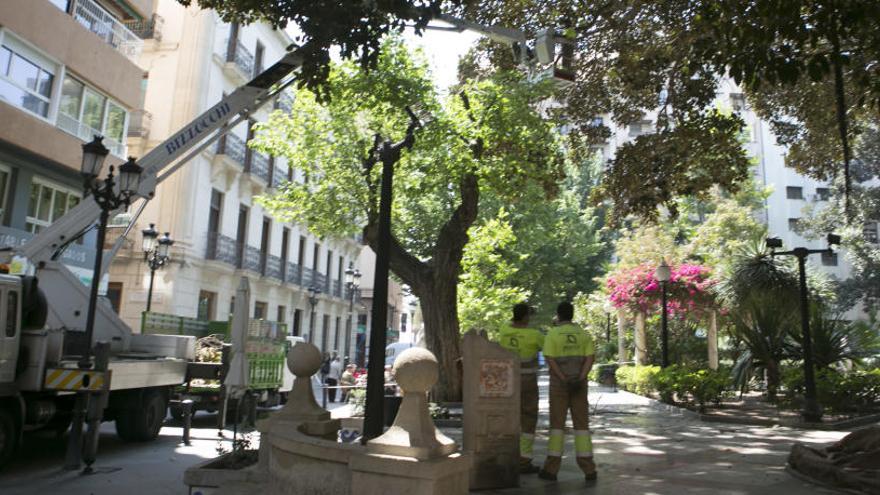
(569, 351)
(525, 342)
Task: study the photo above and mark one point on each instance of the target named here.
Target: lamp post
(662, 274)
(352, 284)
(313, 301)
(155, 254)
(812, 412)
(109, 196)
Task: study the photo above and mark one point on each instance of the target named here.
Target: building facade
(790, 192)
(210, 205)
(68, 71)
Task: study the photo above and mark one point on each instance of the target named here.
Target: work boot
(588, 467)
(546, 475)
(528, 468)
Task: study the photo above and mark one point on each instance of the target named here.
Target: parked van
(394, 350)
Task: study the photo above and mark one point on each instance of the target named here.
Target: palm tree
(836, 339)
(762, 294)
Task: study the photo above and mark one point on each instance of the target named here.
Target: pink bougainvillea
(690, 289)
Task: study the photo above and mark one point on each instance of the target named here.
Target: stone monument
(411, 457)
(491, 421)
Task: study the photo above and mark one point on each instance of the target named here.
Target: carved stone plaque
(496, 378)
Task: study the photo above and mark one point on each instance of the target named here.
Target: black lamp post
(109, 197)
(155, 254)
(812, 412)
(662, 274)
(352, 283)
(313, 301)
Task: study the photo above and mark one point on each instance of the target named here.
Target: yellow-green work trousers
(528, 407)
(562, 399)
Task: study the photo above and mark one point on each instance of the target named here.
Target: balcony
(86, 133)
(257, 164)
(139, 123)
(337, 288)
(308, 278)
(97, 20)
(222, 248)
(279, 176)
(238, 63)
(285, 102)
(272, 267)
(250, 258)
(233, 148)
(150, 29)
(293, 274)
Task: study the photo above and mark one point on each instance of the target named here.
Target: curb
(844, 424)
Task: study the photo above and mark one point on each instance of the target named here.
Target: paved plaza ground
(641, 448)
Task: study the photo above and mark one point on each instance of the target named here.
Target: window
(258, 59)
(823, 193)
(281, 315)
(315, 256)
(829, 259)
(794, 192)
(871, 231)
(48, 203)
(216, 208)
(64, 5)
(260, 310)
(25, 78)
(231, 306)
(84, 112)
(297, 322)
(114, 294)
(336, 334)
(641, 127)
(4, 191)
(11, 313)
(325, 332)
(793, 224)
(207, 303)
(738, 102)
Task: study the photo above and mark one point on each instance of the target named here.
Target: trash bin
(392, 405)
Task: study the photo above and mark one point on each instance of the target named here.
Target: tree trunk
(773, 378)
(439, 304)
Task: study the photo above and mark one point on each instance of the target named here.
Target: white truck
(43, 323)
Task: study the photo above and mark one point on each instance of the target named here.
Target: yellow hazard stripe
(70, 379)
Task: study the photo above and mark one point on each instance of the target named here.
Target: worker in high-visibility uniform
(569, 352)
(525, 342)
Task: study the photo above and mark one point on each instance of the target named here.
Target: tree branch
(453, 236)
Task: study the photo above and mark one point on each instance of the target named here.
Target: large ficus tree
(488, 139)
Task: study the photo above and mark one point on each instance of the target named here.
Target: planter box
(208, 477)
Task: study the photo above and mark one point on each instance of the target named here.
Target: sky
(443, 49)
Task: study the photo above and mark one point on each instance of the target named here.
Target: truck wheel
(143, 420)
(8, 436)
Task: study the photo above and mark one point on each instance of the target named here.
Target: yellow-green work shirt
(524, 342)
(568, 340)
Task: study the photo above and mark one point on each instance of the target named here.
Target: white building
(209, 206)
(791, 191)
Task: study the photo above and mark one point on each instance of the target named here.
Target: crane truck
(43, 310)
(43, 313)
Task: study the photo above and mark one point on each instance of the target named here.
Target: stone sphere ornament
(303, 359)
(416, 370)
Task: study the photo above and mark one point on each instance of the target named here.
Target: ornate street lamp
(109, 198)
(812, 411)
(155, 254)
(662, 274)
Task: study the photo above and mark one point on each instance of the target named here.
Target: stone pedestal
(491, 421)
(412, 457)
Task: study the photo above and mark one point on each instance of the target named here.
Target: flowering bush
(690, 288)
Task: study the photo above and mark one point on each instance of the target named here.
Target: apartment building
(68, 71)
(209, 206)
(791, 192)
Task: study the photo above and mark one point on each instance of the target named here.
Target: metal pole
(187, 420)
(608, 327)
(664, 328)
(85, 362)
(811, 410)
(97, 403)
(73, 457)
(150, 292)
(374, 408)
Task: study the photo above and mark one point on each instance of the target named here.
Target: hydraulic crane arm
(45, 246)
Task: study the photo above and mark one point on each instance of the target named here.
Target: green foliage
(636, 379)
(355, 28)
(485, 294)
(684, 384)
(855, 391)
(835, 339)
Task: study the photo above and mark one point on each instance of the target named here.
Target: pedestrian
(333, 376)
(569, 352)
(525, 342)
(347, 380)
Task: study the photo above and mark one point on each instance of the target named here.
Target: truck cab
(10, 333)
